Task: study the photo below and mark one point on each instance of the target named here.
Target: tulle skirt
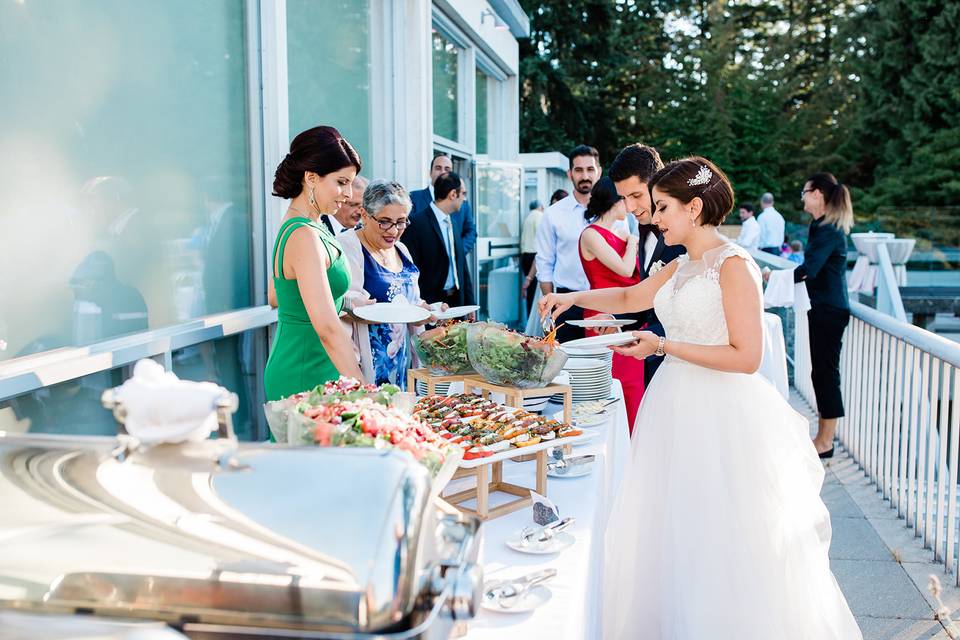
(718, 530)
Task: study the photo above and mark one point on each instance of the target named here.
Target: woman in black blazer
(824, 270)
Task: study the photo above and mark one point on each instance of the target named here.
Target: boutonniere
(656, 266)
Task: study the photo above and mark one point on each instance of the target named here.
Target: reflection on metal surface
(330, 540)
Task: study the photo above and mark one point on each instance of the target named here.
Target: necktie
(448, 240)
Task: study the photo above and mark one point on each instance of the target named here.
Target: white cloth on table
(773, 367)
(782, 291)
(573, 611)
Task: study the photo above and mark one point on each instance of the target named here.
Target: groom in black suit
(434, 237)
(631, 172)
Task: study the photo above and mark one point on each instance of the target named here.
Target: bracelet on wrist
(660, 352)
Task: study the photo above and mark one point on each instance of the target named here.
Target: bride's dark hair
(602, 198)
(697, 177)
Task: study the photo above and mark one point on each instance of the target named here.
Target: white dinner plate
(601, 341)
(590, 323)
(391, 313)
(456, 312)
(556, 544)
(535, 597)
(576, 365)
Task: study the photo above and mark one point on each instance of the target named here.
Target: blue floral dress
(388, 342)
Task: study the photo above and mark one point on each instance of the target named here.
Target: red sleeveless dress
(629, 371)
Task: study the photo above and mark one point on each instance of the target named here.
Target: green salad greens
(512, 359)
(443, 350)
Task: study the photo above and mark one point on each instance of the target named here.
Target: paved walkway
(882, 568)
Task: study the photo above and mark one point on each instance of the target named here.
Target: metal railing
(902, 423)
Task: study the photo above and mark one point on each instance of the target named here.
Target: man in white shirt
(771, 226)
(558, 238)
(749, 237)
(348, 215)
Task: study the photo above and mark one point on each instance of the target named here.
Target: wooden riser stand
(489, 478)
(424, 376)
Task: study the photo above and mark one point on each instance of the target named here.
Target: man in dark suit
(435, 241)
(631, 172)
(421, 199)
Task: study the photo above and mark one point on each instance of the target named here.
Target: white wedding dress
(718, 530)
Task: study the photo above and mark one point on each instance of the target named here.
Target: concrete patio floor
(882, 568)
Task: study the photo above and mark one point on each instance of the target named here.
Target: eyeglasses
(386, 225)
(804, 192)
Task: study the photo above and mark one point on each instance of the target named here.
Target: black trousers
(526, 261)
(827, 325)
(568, 331)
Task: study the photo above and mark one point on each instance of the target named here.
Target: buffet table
(573, 611)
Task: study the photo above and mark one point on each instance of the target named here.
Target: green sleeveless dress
(298, 362)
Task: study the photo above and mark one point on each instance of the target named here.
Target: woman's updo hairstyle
(697, 177)
(602, 198)
(321, 150)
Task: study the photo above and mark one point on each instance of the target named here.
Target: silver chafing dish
(215, 539)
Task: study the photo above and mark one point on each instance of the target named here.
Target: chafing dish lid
(300, 537)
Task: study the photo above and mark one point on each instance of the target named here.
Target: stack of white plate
(587, 353)
(590, 378)
(441, 387)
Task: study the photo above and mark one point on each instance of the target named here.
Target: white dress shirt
(771, 228)
(649, 246)
(558, 245)
(337, 227)
(446, 229)
(749, 237)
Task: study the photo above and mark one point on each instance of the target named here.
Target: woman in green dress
(310, 274)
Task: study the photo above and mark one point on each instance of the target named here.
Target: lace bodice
(690, 304)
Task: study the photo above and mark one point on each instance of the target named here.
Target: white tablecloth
(774, 364)
(573, 610)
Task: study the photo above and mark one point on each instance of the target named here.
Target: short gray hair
(381, 193)
(767, 197)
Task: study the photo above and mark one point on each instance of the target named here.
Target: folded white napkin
(781, 291)
(162, 408)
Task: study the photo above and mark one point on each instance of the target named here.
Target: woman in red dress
(608, 253)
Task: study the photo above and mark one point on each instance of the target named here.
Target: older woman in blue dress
(381, 270)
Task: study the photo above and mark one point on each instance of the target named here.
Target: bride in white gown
(718, 530)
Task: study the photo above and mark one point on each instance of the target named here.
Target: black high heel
(826, 454)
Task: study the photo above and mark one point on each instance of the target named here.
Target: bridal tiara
(703, 177)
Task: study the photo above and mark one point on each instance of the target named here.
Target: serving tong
(544, 534)
(507, 593)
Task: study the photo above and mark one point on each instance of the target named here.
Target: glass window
(481, 90)
(74, 408)
(328, 68)
(446, 87)
(125, 195)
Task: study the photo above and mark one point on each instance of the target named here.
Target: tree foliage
(771, 91)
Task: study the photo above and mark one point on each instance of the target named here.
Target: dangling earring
(693, 222)
(313, 201)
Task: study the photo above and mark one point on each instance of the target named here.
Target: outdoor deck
(882, 568)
